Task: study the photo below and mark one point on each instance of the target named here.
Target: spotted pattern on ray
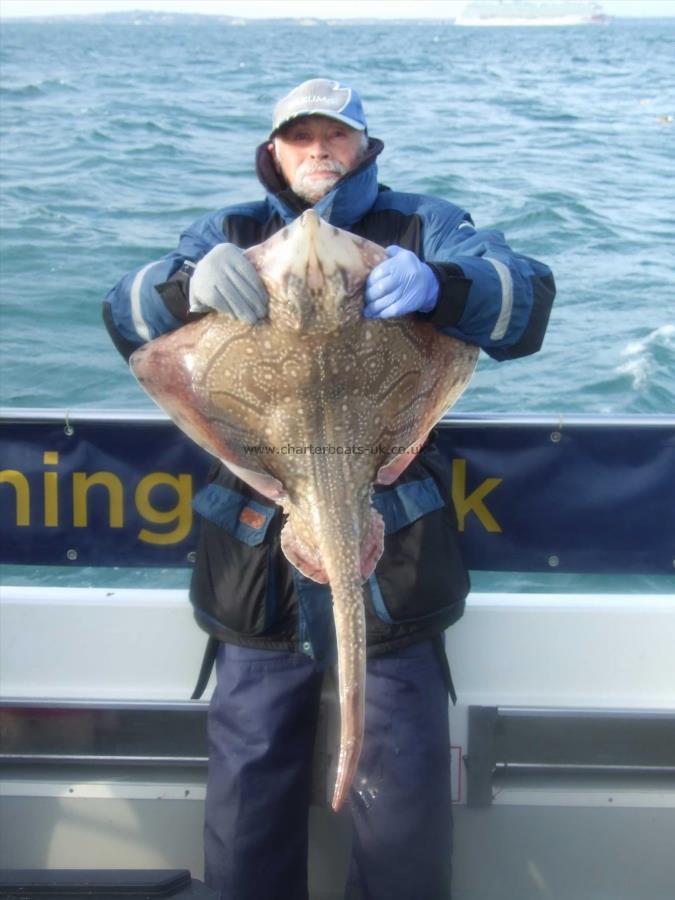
(314, 373)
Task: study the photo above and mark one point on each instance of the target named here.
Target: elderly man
(271, 628)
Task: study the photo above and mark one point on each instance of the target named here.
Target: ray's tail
(341, 556)
(350, 630)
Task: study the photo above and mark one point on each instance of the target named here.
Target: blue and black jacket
(243, 589)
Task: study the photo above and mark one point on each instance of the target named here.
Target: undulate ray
(331, 398)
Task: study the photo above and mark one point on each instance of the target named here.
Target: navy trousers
(262, 722)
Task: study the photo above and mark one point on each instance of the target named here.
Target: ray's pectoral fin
(308, 560)
(267, 485)
(448, 367)
(388, 473)
(163, 369)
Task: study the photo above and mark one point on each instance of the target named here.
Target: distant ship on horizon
(532, 12)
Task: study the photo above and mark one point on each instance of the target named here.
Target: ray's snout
(315, 250)
(310, 220)
(307, 236)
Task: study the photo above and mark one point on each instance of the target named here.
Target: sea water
(118, 131)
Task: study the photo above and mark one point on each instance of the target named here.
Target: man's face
(313, 152)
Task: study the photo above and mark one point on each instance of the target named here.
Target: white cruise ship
(531, 12)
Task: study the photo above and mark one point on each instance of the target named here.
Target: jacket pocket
(234, 584)
(245, 519)
(407, 502)
(421, 577)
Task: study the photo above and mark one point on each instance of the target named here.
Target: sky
(327, 9)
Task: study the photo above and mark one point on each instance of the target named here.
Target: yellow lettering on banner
(181, 514)
(81, 485)
(22, 492)
(51, 488)
(474, 502)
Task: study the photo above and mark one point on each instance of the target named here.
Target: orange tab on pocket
(250, 517)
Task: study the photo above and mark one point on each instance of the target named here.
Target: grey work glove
(225, 280)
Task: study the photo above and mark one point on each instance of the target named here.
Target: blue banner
(594, 498)
(531, 495)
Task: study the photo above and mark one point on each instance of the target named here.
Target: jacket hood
(350, 199)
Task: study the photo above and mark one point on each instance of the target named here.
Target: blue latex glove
(225, 280)
(399, 285)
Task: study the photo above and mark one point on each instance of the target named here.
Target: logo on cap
(320, 97)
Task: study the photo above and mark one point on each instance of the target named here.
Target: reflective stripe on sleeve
(140, 324)
(506, 281)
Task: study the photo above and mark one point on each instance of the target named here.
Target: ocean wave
(562, 217)
(41, 89)
(648, 356)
